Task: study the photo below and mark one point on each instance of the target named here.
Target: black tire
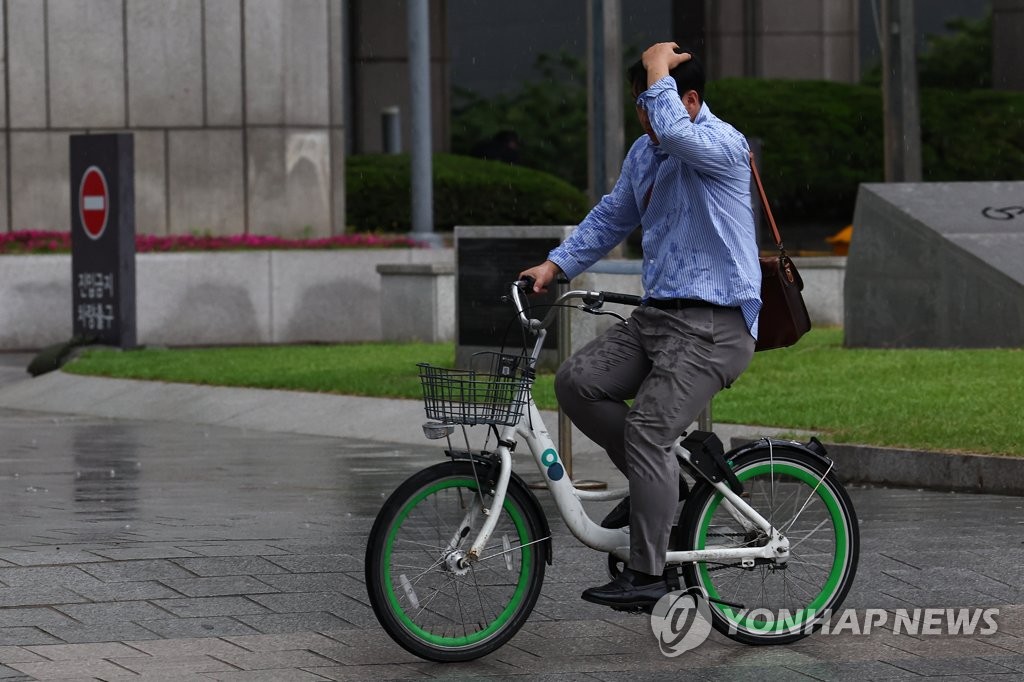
(427, 603)
(813, 510)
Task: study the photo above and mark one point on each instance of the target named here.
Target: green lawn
(956, 400)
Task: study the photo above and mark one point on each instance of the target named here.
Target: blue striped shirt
(698, 228)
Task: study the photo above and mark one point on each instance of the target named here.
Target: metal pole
(614, 130)
(564, 350)
(596, 99)
(420, 147)
(899, 90)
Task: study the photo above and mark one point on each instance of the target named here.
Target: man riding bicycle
(687, 183)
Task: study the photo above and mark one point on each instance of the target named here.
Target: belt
(681, 303)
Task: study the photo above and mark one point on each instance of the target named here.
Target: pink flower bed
(39, 241)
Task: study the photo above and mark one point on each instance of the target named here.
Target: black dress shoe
(629, 591)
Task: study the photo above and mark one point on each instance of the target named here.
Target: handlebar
(592, 300)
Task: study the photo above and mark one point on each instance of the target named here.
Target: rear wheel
(775, 602)
(428, 600)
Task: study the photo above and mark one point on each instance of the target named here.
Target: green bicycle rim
(835, 575)
(497, 623)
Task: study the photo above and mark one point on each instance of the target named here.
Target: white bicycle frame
(569, 499)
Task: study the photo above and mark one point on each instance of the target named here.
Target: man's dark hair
(688, 76)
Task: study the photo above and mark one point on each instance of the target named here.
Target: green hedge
(822, 139)
(467, 191)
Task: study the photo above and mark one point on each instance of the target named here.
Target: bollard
(391, 130)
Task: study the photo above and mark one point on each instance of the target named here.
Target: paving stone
(320, 563)
(85, 667)
(33, 596)
(106, 632)
(135, 553)
(190, 646)
(219, 586)
(222, 566)
(291, 622)
(281, 642)
(156, 665)
(954, 666)
(298, 602)
(23, 636)
(383, 671)
(277, 660)
(133, 571)
(47, 556)
(171, 628)
(18, 654)
(113, 612)
(318, 582)
(32, 616)
(210, 606)
(283, 675)
(133, 591)
(70, 652)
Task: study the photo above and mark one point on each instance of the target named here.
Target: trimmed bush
(467, 191)
(822, 139)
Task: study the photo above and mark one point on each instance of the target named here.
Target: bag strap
(767, 209)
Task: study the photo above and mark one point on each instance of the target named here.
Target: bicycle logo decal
(681, 620)
(1006, 213)
(549, 458)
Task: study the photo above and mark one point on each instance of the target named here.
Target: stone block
(338, 225)
(795, 16)
(223, 62)
(26, 51)
(337, 45)
(840, 16)
(289, 181)
(318, 296)
(204, 298)
(40, 191)
(4, 180)
(86, 66)
(936, 265)
(36, 310)
(165, 62)
(150, 182)
(417, 302)
(791, 56)
(206, 190)
(823, 288)
(286, 78)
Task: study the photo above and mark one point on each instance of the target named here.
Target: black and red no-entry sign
(103, 238)
(94, 202)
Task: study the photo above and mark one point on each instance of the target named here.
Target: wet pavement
(162, 550)
(154, 550)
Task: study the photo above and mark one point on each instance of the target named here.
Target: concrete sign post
(103, 239)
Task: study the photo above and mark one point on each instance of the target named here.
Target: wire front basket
(496, 393)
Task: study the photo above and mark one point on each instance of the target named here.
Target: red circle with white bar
(93, 202)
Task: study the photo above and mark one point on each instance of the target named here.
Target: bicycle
(767, 533)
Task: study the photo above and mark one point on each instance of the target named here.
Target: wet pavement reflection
(124, 531)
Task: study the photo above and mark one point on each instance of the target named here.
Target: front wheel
(775, 602)
(429, 601)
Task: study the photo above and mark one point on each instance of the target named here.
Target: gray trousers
(671, 362)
